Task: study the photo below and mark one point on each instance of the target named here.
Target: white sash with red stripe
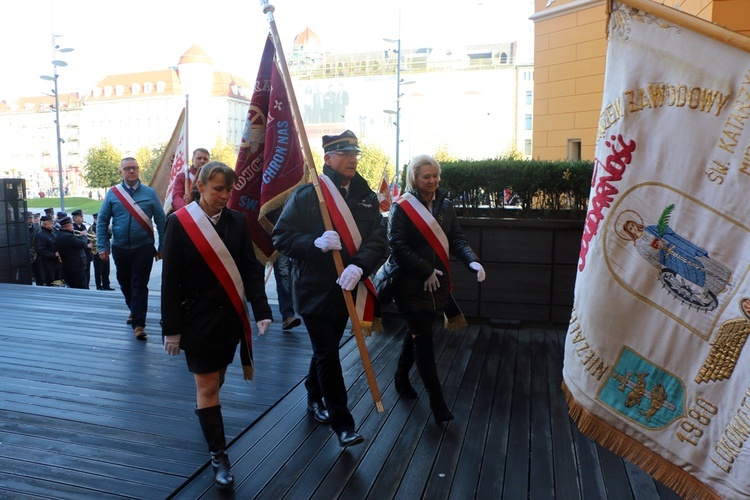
(347, 228)
(201, 232)
(136, 211)
(428, 226)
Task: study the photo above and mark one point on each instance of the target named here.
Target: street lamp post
(398, 101)
(55, 64)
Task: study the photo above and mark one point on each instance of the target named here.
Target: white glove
(328, 241)
(263, 326)
(479, 269)
(172, 345)
(350, 277)
(433, 283)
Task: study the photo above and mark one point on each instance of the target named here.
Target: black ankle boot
(424, 356)
(405, 360)
(212, 426)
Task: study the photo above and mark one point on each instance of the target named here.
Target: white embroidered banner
(656, 363)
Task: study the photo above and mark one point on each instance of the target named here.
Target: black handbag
(384, 281)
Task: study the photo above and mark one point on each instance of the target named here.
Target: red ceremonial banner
(270, 163)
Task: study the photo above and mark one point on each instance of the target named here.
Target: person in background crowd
(300, 234)
(131, 206)
(199, 315)
(101, 267)
(79, 226)
(72, 250)
(46, 251)
(32, 220)
(422, 231)
(180, 195)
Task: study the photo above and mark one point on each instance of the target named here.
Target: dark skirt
(209, 362)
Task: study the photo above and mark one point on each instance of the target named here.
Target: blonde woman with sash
(422, 231)
(210, 273)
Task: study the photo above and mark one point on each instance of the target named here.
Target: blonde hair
(416, 163)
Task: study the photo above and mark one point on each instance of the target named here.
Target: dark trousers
(325, 378)
(36, 268)
(133, 272)
(101, 273)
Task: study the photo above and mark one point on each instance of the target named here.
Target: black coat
(417, 260)
(46, 250)
(193, 302)
(72, 250)
(314, 273)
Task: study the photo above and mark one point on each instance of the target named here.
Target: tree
(148, 159)
(372, 163)
(444, 155)
(224, 152)
(101, 166)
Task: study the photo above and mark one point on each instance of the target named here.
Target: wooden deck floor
(88, 412)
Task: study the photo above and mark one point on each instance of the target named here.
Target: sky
(144, 35)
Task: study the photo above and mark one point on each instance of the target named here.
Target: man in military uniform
(78, 225)
(72, 250)
(46, 251)
(101, 267)
(34, 229)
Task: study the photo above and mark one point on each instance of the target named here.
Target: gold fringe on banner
(665, 471)
(455, 323)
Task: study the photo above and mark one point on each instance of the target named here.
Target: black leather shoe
(319, 411)
(349, 438)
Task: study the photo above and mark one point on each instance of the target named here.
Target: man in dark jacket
(46, 251)
(78, 225)
(301, 235)
(72, 250)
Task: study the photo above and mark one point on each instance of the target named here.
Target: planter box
(531, 269)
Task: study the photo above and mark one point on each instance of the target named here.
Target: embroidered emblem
(622, 15)
(642, 392)
(726, 347)
(685, 270)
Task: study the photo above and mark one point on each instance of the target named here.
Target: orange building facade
(569, 57)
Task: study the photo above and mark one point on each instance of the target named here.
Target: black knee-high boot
(212, 426)
(424, 355)
(405, 360)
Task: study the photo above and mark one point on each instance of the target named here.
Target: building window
(574, 149)
(160, 86)
(503, 58)
(528, 97)
(527, 147)
(135, 89)
(527, 121)
(108, 91)
(527, 76)
(119, 90)
(148, 87)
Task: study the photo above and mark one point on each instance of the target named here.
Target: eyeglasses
(130, 169)
(348, 154)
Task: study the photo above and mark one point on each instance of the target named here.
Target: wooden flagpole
(307, 153)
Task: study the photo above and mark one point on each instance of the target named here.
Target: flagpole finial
(267, 7)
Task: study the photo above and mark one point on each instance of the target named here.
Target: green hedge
(543, 189)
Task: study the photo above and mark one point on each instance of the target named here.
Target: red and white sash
(136, 211)
(428, 226)
(347, 228)
(201, 232)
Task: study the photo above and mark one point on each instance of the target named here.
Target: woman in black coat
(198, 315)
(422, 286)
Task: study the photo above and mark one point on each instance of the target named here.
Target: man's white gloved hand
(350, 277)
(262, 326)
(328, 241)
(479, 269)
(172, 344)
(433, 283)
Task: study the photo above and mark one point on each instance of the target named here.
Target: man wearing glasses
(132, 206)
(300, 234)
